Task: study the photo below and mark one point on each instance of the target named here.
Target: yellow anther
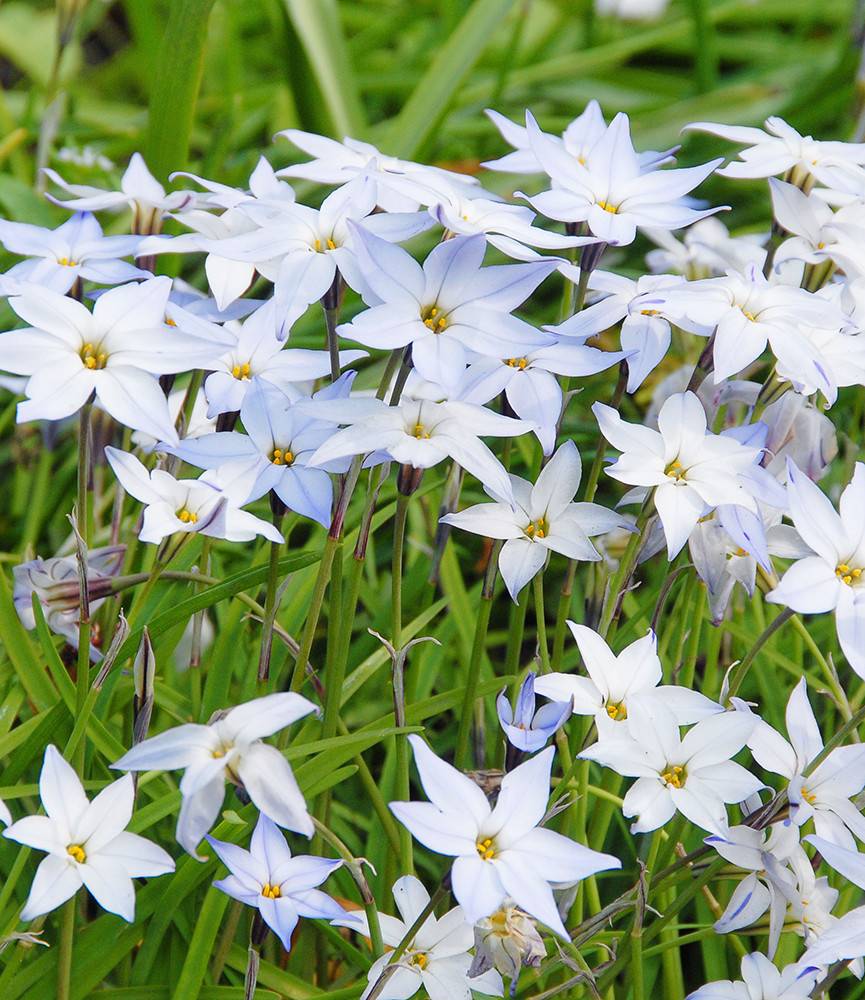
(271, 891)
(419, 959)
(848, 574)
(649, 312)
(317, 246)
(241, 371)
(618, 712)
(331, 245)
(675, 470)
(485, 849)
(607, 207)
(169, 321)
(420, 432)
(282, 457)
(187, 516)
(809, 797)
(77, 852)
(521, 363)
(674, 776)
(749, 315)
(537, 529)
(92, 357)
(432, 320)
(67, 262)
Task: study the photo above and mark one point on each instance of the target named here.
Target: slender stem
(84, 511)
(516, 627)
(330, 318)
(321, 581)
(540, 620)
(402, 377)
(619, 580)
(600, 449)
(396, 572)
(278, 509)
(462, 757)
(562, 612)
(738, 673)
(64, 950)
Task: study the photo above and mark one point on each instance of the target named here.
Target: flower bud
(508, 939)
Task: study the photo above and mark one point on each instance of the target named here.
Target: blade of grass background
(318, 27)
(435, 90)
(176, 79)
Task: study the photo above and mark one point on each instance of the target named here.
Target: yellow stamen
(420, 432)
(420, 960)
(848, 574)
(809, 797)
(432, 320)
(607, 207)
(537, 529)
(241, 371)
(674, 776)
(749, 315)
(169, 321)
(649, 312)
(93, 358)
(618, 713)
(485, 849)
(282, 457)
(675, 470)
(67, 262)
(77, 852)
(331, 245)
(187, 516)
(521, 363)
(317, 246)
(271, 891)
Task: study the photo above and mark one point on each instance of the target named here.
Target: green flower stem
(619, 580)
(600, 448)
(64, 950)
(516, 628)
(321, 581)
(396, 569)
(540, 621)
(463, 756)
(562, 614)
(270, 597)
(738, 673)
(335, 676)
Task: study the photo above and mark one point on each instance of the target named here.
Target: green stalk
(64, 950)
(737, 675)
(516, 628)
(562, 613)
(396, 569)
(321, 581)
(620, 578)
(278, 509)
(540, 621)
(462, 756)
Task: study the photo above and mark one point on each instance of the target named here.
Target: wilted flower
(55, 582)
(506, 941)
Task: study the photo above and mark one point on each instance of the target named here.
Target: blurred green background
(86, 83)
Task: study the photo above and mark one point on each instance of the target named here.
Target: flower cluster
(436, 351)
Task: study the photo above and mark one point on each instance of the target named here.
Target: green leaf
(317, 24)
(177, 77)
(444, 76)
(191, 978)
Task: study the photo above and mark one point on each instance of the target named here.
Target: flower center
(617, 712)
(809, 797)
(328, 245)
(420, 959)
(242, 371)
(187, 516)
(282, 456)
(77, 853)
(650, 312)
(420, 432)
(675, 470)
(271, 891)
(520, 363)
(432, 320)
(848, 574)
(67, 262)
(169, 321)
(537, 529)
(674, 776)
(749, 315)
(607, 207)
(93, 358)
(485, 849)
